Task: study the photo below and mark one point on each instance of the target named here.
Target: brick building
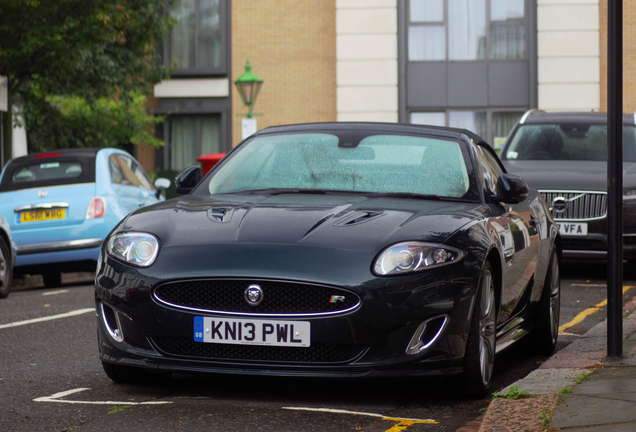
(477, 64)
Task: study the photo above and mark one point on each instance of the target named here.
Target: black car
(564, 156)
(335, 249)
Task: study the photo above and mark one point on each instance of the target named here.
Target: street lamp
(248, 86)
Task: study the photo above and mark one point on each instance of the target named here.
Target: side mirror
(187, 179)
(161, 184)
(512, 189)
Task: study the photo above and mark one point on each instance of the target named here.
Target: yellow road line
(402, 424)
(587, 312)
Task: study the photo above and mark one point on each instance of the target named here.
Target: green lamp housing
(248, 86)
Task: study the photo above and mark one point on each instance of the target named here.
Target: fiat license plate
(572, 229)
(42, 215)
(252, 332)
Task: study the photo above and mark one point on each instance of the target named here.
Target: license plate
(42, 215)
(572, 229)
(252, 332)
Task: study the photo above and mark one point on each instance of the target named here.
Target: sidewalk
(599, 395)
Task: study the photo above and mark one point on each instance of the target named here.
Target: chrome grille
(279, 298)
(581, 205)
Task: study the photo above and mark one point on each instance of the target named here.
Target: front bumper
(371, 340)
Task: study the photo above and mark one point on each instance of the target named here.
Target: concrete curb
(564, 369)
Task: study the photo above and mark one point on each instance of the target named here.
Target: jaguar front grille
(279, 298)
(576, 205)
(316, 353)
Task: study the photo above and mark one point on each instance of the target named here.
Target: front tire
(479, 359)
(547, 321)
(5, 269)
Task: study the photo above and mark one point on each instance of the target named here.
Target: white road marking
(56, 398)
(55, 292)
(339, 411)
(48, 318)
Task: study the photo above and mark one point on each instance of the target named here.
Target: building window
(192, 136)
(493, 125)
(462, 30)
(197, 41)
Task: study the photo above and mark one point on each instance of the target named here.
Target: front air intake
(111, 322)
(427, 333)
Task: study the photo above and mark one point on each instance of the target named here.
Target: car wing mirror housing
(187, 179)
(511, 189)
(161, 184)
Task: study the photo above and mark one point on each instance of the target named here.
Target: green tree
(88, 49)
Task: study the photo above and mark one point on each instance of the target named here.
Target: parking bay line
(56, 398)
(48, 293)
(587, 312)
(403, 423)
(47, 318)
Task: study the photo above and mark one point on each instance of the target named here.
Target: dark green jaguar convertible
(333, 249)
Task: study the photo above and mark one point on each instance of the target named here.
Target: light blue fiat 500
(61, 205)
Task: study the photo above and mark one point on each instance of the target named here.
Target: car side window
(125, 171)
(490, 169)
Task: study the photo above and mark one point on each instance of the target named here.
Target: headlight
(629, 197)
(414, 256)
(138, 249)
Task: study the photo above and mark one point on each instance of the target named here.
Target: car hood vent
(358, 218)
(220, 214)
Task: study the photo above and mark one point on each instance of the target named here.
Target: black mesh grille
(278, 297)
(583, 244)
(109, 314)
(318, 353)
(432, 329)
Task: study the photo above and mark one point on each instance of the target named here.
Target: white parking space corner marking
(47, 318)
(56, 398)
(55, 292)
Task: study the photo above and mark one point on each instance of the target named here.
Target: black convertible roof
(592, 117)
(374, 127)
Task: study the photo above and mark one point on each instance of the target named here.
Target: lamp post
(248, 86)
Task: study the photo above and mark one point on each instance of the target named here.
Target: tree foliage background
(80, 68)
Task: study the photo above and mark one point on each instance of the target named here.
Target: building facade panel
(569, 43)
(214, 87)
(292, 46)
(568, 66)
(572, 97)
(366, 21)
(569, 70)
(380, 116)
(365, 4)
(366, 37)
(367, 47)
(367, 99)
(367, 72)
(573, 16)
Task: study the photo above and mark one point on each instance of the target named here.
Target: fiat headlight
(138, 249)
(414, 256)
(629, 197)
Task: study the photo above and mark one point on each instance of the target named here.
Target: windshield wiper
(280, 191)
(402, 195)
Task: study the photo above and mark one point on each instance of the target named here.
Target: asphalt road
(51, 378)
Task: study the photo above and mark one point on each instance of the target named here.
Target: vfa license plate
(42, 215)
(252, 332)
(572, 229)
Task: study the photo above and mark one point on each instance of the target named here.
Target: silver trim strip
(584, 252)
(44, 206)
(117, 334)
(59, 246)
(265, 315)
(528, 114)
(416, 346)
